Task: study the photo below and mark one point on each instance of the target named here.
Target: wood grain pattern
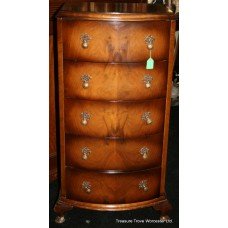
(121, 41)
(117, 38)
(52, 167)
(115, 11)
(108, 207)
(52, 115)
(112, 188)
(61, 105)
(110, 119)
(168, 106)
(114, 154)
(114, 81)
(54, 6)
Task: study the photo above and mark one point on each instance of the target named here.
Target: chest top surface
(115, 10)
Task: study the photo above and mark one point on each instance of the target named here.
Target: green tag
(150, 64)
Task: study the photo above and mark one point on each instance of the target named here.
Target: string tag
(150, 63)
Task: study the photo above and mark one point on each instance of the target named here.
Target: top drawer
(115, 41)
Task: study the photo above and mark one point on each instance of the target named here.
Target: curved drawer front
(114, 81)
(110, 154)
(103, 188)
(111, 119)
(114, 41)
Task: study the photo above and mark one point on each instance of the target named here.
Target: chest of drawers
(114, 113)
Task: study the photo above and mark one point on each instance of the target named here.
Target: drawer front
(115, 41)
(111, 119)
(103, 188)
(101, 81)
(110, 154)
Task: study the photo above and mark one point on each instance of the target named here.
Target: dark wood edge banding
(61, 105)
(115, 101)
(115, 137)
(114, 172)
(112, 63)
(113, 207)
(65, 15)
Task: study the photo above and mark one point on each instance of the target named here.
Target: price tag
(150, 63)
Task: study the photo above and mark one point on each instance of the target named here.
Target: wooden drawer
(112, 154)
(104, 188)
(115, 81)
(114, 119)
(115, 41)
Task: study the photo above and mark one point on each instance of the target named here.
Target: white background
(24, 114)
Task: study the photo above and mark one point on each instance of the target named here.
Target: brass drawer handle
(86, 186)
(147, 80)
(85, 153)
(85, 117)
(150, 42)
(143, 185)
(85, 38)
(146, 117)
(144, 151)
(85, 80)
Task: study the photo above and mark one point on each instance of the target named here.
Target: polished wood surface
(121, 41)
(168, 106)
(114, 81)
(115, 10)
(111, 119)
(63, 205)
(52, 114)
(164, 208)
(114, 154)
(54, 7)
(61, 106)
(115, 131)
(53, 167)
(112, 188)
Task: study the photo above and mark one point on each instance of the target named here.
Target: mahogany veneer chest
(114, 113)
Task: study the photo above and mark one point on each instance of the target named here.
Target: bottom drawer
(103, 188)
